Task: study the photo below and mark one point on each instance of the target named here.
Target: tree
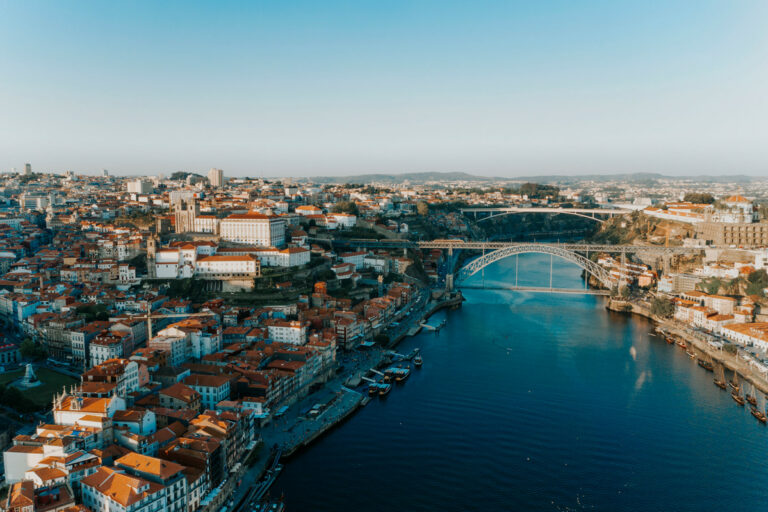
(536, 191)
(711, 285)
(422, 208)
(699, 198)
(346, 207)
(663, 307)
(93, 312)
(32, 350)
(757, 282)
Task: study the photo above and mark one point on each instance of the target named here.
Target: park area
(34, 398)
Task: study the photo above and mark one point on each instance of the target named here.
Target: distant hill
(413, 177)
(638, 177)
(562, 179)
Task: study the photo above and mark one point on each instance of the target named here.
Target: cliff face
(640, 228)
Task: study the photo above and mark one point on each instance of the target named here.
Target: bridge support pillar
(449, 282)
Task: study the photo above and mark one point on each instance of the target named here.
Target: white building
(126, 273)
(113, 490)
(220, 266)
(253, 228)
(735, 210)
(216, 177)
(286, 331)
(86, 411)
(355, 258)
(139, 186)
(206, 224)
(104, 348)
(379, 263)
(344, 220)
(309, 210)
(752, 334)
(212, 388)
(177, 345)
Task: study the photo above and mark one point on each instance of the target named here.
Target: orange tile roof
(151, 465)
(119, 487)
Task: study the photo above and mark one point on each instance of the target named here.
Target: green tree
(346, 207)
(711, 285)
(93, 312)
(699, 198)
(537, 191)
(663, 307)
(757, 282)
(32, 350)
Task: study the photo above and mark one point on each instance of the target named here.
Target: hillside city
(168, 338)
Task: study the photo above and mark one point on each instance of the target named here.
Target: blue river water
(538, 401)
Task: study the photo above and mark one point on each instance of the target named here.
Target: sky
(292, 88)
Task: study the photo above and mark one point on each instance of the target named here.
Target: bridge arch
(588, 265)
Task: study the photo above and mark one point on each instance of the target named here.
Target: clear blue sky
(322, 87)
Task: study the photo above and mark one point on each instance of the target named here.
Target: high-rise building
(27, 169)
(216, 177)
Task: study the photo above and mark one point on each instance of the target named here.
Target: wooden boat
(706, 365)
(734, 383)
(418, 361)
(690, 354)
(752, 397)
(759, 415)
(670, 341)
(681, 344)
(738, 398)
(384, 389)
(720, 377)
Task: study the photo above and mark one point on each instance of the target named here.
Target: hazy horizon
(496, 89)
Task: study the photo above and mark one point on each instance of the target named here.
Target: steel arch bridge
(588, 265)
(587, 213)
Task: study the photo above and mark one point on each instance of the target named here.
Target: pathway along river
(539, 401)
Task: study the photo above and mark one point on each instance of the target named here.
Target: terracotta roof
(245, 257)
(181, 392)
(164, 469)
(209, 381)
(120, 487)
(247, 216)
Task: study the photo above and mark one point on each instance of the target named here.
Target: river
(538, 401)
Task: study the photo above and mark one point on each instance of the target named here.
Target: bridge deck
(540, 289)
(521, 209)
(481, 245)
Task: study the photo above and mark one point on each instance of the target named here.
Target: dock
(434, 328)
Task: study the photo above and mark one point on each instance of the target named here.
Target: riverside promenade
(296, 428)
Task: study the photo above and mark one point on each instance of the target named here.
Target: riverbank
(697, 340)
(295, 431)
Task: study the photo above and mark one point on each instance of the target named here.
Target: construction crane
(149, 318)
